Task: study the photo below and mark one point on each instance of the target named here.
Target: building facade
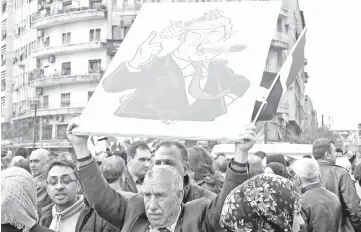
(62, 48)
(310, 119)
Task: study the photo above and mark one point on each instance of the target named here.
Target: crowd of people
(171, 188)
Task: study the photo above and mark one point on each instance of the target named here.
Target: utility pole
(34, 129)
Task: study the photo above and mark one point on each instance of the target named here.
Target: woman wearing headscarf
(267, 203)
(202, 169)
(18, 202)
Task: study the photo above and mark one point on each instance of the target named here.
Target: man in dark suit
(161, 208)
(139, 162)
(187, 84)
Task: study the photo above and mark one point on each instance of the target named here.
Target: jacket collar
(128, 180)
(187, 186)
(305, 189)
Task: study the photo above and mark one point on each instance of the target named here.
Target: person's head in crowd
(16, 159)
(278, 158)
(357, 173)
(5, 162)
(112, 169)
(109, 153)
(345, 163)
(260, 154)
(221, 164)
(62, 184)
(163, 195)
(307, 156)
(307, 172)
(339, 152)
(122, 154)
(23, 163)
(277, 169)
(139, 158)
(242, 210)
(324, 149)
(201, 163)
(18, 199)
(221, 154)
(255, 165)
(66, 156)
(39, 161)
(22, 151)
(172, 153)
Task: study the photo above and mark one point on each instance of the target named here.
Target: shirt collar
(316, 185)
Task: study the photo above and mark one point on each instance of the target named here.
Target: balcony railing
(128, 10)
(58, 79)
(280, 40)
(50, 110)
(67, 48)
(44, 19)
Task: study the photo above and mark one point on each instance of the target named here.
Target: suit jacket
(129, 216)
(129, 185)
(161, 80)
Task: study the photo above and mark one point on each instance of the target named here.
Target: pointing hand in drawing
(146, 51)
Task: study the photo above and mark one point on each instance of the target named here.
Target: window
(117, 32)
(45, 102)
(94, 34)
(3, 81)
(66, 38)
(67, 6)
(3, 7)
(279, 25)
(66, 68)
(95, 4)
(61, 132)
(2, 103)
(90, 94)
(47, 132)
(94, 66)
(65, 100)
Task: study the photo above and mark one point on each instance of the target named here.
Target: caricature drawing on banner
(188, 83)
(194, 82)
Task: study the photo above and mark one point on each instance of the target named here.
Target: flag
(282, 81)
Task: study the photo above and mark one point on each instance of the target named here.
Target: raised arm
(237, 173)
(107, 202)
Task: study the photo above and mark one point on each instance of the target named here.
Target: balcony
(67, 48)
(272, 68)
(57, 79)
(128, 10)
(42, 20)
(46, 111)
(46, 144)
(280, 41)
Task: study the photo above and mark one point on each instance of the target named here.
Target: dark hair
(177, 144)
(339, 150)
(122, 154)
(260, 154)
(135, 146)
(307, 156)
(62, 163)
(22, 151)
(278, 169)
(320, 147)
(23, 163)
(278, 158)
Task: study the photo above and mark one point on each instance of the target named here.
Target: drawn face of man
(196, 38)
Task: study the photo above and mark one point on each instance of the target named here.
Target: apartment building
(310, 119)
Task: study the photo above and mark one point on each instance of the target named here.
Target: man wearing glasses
(69, 211)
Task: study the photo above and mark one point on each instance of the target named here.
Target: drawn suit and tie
(187, 84)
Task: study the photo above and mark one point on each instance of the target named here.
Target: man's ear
(78, 187)
(327, 155)
(180, 195)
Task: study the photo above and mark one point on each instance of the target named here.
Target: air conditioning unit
(51, 59)
(40, 33)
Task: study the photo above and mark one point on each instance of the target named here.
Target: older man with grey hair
(316, 200)
(160, 209)
(112, 169)
(337, 180)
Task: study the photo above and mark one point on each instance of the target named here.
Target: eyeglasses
(63, 181)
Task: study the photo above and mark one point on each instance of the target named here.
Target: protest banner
(186, 71)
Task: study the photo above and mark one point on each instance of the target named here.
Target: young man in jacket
(70, 212)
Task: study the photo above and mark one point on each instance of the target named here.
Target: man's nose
(32, 165)
(153, 203)
(59, 185)
(147, 163)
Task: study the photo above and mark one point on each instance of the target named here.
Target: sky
(333, 52)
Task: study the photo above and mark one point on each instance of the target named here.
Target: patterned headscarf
(266, 202)
(18, 199)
